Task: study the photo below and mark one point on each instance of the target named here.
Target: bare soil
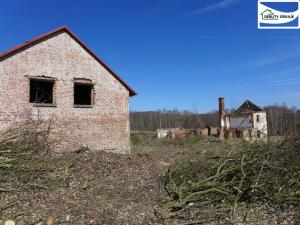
(90, 188)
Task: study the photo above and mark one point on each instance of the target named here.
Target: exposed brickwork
(105, 126)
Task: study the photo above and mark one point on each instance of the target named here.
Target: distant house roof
(43, 37)
(248, 107)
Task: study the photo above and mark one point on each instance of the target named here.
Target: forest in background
(282, 120)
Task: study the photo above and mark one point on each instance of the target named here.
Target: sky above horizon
(181, 54)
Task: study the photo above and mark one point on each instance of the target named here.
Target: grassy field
(184, 181)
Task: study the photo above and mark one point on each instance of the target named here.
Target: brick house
(56, 74)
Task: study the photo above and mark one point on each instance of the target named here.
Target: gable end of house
(48, 35)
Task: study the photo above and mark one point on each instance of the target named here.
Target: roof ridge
(26, 44)
(248, 104)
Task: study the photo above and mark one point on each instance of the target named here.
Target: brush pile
(218, 184)
(20, 146)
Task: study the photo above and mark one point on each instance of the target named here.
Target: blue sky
(180, 54)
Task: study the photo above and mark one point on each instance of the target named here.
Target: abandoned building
(248, 122)
(56, 74)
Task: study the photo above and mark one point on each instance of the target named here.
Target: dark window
(257, 118)
(83, 94)
(41, 91)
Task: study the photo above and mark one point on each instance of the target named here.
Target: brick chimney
(222, 112)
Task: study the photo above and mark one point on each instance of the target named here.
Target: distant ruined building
(249, 121)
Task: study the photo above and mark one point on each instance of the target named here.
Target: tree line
(282, 120)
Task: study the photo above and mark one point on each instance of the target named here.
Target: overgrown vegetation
(213, 185)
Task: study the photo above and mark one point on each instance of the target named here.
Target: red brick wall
(105, 126)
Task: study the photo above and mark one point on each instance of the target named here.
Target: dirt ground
(97, 188)
(91, 188)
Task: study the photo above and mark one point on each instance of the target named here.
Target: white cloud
(243, 37)
(276, 58)
(213, 7)
(292, 94)
(285, 82)
(273, 83)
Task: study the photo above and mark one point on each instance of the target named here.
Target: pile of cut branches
(20, 146)
(263, 174)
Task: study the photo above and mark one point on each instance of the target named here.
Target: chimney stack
(221, 112)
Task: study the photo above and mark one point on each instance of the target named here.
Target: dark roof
(248, 107)
(47, 35)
